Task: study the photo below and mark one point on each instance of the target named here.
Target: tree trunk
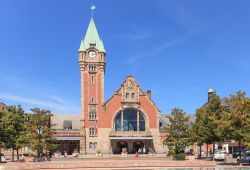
(207, 150)
(13, 154)
(213, 149)
(240, 148)
(0, 154)
(200, 151)
(17, 154)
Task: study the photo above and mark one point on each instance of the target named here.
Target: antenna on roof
(92, 10)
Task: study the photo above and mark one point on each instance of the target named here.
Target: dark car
(236, 153)
(245, 159)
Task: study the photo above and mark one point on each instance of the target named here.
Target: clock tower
(91, 58)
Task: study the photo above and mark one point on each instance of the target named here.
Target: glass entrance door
(137, 145)
(120, 146)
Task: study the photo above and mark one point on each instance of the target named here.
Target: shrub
(179, 156)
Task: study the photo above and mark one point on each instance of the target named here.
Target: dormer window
(92, 44)
(67, 125)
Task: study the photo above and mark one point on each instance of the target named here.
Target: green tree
(41, 131)
(198, 130)
(14, 129)
(238, 108)
(212, 116)
(177, 133)
(247, 124)
(209, 126)
(1, 132)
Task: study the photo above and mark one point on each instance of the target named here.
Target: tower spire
(91, 38)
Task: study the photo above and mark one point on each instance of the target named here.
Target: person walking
(144, 150)
(136, 154)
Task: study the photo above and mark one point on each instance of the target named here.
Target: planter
(98, 154)
(124, 154)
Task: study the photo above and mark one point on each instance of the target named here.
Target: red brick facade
(128, 119)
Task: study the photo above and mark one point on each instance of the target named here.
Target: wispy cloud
(135, 34)
(134, 58)
(62, 106)
(30, 95)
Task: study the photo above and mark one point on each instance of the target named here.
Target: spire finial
(92, 10)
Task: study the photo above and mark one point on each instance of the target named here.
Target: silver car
(219, 155)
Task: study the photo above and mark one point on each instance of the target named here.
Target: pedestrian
(139, 151)
(136, 154)
(210, 152)
(144, 150)
(22, 157)
(65, 154)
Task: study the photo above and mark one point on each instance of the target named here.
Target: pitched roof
(91, 37)
(66, 119)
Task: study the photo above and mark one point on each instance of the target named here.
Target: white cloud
(136, 36)
(61, 106)
(159, 49)
(30, 94)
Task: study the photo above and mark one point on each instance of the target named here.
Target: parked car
(245, 158)
(3, 160)
(219, 155)
(236, 153)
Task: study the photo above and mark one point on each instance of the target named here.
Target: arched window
(126, 120)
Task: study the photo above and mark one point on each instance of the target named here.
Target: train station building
(129, 119)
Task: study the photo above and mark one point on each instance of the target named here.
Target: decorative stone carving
(130, 90)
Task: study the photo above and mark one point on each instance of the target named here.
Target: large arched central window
(129, 120)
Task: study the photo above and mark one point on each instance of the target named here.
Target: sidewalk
(108, 163)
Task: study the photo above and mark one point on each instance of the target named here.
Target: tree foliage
(1, 129)
(222, 120)
(207, 127)
(14, 129)
(177, 131)
(41, 131)
(238, 109)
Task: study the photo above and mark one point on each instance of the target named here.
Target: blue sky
(178, 49)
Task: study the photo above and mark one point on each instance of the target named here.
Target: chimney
(149, 93)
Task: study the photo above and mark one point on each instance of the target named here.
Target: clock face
(92, 54)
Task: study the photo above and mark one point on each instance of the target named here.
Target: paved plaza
(114, 162)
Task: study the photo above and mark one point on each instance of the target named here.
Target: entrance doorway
(120, 145)
(131, 145)
(69, 146)
(137, 145)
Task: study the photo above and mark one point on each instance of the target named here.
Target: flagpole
(92, 10)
